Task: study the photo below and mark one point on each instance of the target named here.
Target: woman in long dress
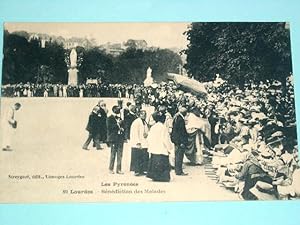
(159, 166)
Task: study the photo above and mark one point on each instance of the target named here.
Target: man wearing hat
(93, 128)
(102, 114)
(115, 138)
(212, 117)
(251, 173)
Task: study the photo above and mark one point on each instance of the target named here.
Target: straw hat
(263, 191)
(277, 134)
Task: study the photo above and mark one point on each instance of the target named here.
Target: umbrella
(187, 83)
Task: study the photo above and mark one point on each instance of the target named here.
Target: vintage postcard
(148, 112)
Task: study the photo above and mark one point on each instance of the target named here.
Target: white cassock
(138, 133)
(8, 131)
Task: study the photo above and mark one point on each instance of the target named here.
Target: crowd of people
(248, 134)
(62, 90)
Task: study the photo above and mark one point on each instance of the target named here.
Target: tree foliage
(95, 64)
(239, 52)
(131, 66)
(53, 56)
(25, 60)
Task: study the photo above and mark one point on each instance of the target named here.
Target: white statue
(149, 79)
(73, 76)
(73, 58)
(149, 72)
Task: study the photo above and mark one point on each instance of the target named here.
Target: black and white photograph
(147, 112)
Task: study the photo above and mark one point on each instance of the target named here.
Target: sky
(163, 35)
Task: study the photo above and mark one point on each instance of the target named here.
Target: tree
(26, 61)
(53, 56)
(135, 44)
(45, 74)
(165, 61)
(19, 63)
(238, 51)
(131, 65)
(95, 64)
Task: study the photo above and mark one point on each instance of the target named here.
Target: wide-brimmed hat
(266, 154)
(277, 134)
(240, 95)
(263, 147)
(255, 109)
(220, 147)
(263, 191)
(259, 116)
(247, 147)
(243, 120)
(273, 140)
(234, 109)
(252, 121)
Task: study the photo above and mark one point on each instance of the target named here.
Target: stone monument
(73, 77)
(149, 79)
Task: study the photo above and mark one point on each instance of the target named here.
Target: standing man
(115, 138)
(179, 137)
(102, 114)
(128, 120)
(93, 128)
(55, 90)
(10, 125)
(125, 110)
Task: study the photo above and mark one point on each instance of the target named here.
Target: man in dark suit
(129, 117)
(115, 138)
(102, 114)
(93, 128)
(179, 137)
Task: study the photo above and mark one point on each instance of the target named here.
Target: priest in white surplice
(9, 124)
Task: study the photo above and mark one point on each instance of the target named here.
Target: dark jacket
(115, 132)
(179, 134)
(93, 124)
(102, 124)
(128, 120)
(249, 169)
